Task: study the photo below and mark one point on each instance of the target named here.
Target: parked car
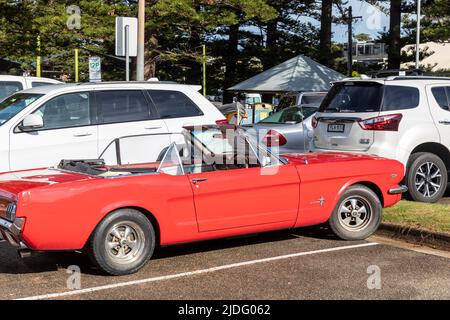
(289, 130)
(403, 118)
(118, 213)
(43, 125)
(11, 84)
(313, 98)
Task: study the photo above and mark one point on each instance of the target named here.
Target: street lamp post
(418, 34)
(141, 42)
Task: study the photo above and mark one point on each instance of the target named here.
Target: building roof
(299, 74)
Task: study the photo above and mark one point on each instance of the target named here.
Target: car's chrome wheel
(125, 242)
(428, 179)
(355, 213)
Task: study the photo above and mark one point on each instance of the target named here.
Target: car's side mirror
(32, 122)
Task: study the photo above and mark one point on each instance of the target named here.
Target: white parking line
(192, 273)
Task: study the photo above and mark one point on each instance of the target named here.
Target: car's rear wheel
(426, 177)
(123, 242)
(357, 214)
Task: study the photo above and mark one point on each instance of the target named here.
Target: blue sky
(373, 21)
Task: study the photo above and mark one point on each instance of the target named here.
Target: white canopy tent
(299, 74)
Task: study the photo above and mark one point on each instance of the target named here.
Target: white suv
(12, 84)
(41, 126)
(403, 118)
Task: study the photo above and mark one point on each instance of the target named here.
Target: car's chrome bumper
(11, 231)
(398, 190)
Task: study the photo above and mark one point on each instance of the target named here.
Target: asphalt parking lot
(298, 264)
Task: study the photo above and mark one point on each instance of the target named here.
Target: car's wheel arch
(435, 148)
(366, 183)
(149, 215)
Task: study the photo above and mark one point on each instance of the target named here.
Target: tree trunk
(232, 57)
(150, 63)
(325, 33)
(271, 57)
(394, 35)
(194, 74)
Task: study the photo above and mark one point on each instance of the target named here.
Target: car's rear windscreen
(353, 97)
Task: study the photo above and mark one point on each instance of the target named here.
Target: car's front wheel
(426, 177)
(123, 242)
(357, 214)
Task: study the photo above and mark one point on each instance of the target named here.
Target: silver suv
(403, 118)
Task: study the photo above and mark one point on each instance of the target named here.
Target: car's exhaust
(24, 253)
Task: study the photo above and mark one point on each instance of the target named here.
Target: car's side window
(442, 96)
(400, 98)
(122, 106)
(174, 104)
(65, 111)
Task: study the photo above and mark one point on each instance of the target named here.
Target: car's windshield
(195, 150)
(15, 104)
(7, 88)
(290, 115)
(315, 99)
(253, 100)
(353, 97)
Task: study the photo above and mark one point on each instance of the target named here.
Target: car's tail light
(274, 138)
(224, 121)
(389, 122)
(315, 122)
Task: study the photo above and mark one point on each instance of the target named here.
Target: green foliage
(363, 37)
(175, 30)
(435, 21)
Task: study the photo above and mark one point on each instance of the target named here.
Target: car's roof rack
(128, 82)
(418, 78)
(396, 72)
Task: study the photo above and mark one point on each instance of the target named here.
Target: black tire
(136, 248)
(344, 224)
(417, 165)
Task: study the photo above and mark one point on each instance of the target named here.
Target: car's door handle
(196, 181)
(445, 122)
(152, 128)
(83, 134)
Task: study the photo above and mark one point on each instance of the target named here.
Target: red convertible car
(205, 183)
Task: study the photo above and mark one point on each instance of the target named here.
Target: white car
(41, 126)
(12, 84)
(403, 118)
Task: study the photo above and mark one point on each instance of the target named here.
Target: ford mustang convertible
(202, 183)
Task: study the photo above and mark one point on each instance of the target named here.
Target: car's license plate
(336, 128)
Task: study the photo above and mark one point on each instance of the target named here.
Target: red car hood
(323, 157)
(18, 181)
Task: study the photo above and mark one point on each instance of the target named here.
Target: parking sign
(95, 69)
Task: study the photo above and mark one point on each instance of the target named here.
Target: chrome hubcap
(428, 179)
(355, 213)
(125, 242)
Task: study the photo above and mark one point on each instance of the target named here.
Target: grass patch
(433, 217)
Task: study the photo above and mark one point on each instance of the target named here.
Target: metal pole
(38, 57)
(127, 52)
(76, 65)
(418, 34)
(204, 69)
(141, 42)
(350, 42)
